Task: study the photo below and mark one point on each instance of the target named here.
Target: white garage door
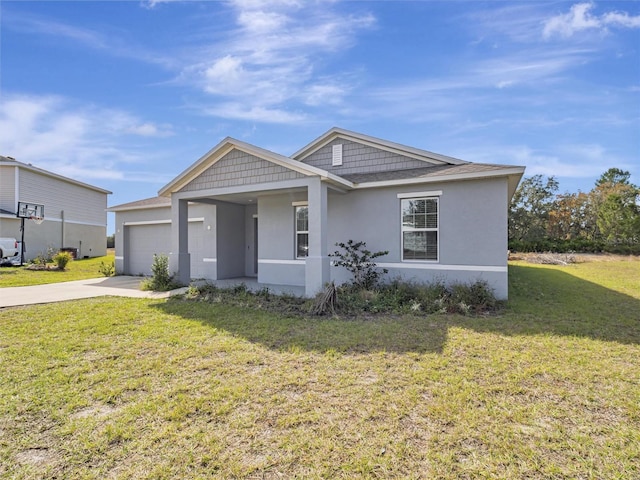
(147, 240)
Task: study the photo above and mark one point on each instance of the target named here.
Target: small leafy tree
(617, 207)
(161, 280)
(107, 269)
(359, 262)
(530, 207)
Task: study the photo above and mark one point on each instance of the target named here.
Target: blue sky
(125, 95)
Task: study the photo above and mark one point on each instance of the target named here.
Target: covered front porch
(253, 236)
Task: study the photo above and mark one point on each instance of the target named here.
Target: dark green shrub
(359, 262)
(161, 280)
(477, 297)
(399, 297)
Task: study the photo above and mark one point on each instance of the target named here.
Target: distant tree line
(605, 219)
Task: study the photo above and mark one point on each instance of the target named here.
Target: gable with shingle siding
(359, 158)
(239, 168)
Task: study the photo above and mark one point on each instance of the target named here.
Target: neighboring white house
(75, 214)
(242, 211)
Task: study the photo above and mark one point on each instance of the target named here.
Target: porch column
(317, 263)
(179, 258)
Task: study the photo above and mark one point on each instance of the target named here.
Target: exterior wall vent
(336, 159)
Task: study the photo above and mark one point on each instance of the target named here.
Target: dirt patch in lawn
(95, 411)
(39, 457)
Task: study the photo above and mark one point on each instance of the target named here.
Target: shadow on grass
(543, 302)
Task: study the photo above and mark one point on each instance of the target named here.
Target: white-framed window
(302, 231)
(420, 224)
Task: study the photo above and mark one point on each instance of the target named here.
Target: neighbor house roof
(12, 162)
(154, 202)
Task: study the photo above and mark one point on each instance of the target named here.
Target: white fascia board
(137, 207)
(418, 154)
(441, 178)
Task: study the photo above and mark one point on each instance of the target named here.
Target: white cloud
(271, 58)
(324, 94)
(239, 111)
(150, 4)
(622, 19)
(84, 142)
(580, 18)
(225, 76)
(150, 130)
(261, 21)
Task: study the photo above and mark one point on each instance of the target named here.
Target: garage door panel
(145, 241)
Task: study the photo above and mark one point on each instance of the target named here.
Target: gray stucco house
(242, 211)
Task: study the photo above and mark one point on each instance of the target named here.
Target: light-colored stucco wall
(472, 230)
(277, 263)
(202, 238)
(472, 233)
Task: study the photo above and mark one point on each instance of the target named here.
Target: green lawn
(129, 388)
(80, 269)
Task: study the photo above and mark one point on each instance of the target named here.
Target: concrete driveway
(119, 286)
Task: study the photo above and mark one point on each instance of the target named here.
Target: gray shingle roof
(424, 172)
(145, 203)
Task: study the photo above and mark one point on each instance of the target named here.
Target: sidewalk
(119, 286)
